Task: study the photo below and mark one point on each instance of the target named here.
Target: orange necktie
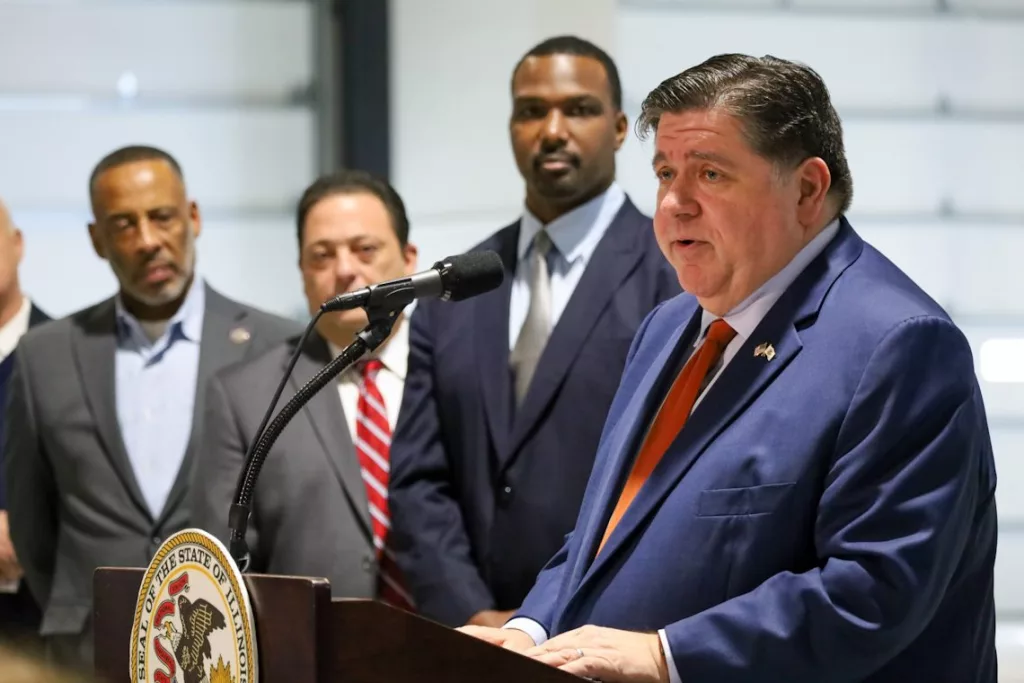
(671, 417)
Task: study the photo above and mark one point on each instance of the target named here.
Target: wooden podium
(303, 636)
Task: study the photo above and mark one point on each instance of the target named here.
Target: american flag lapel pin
(766, 350)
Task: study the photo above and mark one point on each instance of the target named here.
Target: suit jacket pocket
(746, 500)
(65, 619)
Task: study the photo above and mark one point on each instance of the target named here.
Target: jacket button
(504, 495)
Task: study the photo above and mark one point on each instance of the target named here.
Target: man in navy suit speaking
(795, 482)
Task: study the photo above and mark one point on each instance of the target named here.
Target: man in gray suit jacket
(320, 506)
(105, 405)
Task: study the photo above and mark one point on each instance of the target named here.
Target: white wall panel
(897, 166)
(863, 5)
(730, 5)
(1009, 570)
(174, 49)
(898, 70)
(232, 158)
(986, 61)
(984, 165)
(923, 166)
(1008, 445)
(914, 61)
(986, 279)
(1010, 649)
(1008, 6)
(251, 259)
(1004, 401)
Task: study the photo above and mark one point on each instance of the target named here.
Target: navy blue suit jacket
(19, 613)
(824, 516)
(481, 497)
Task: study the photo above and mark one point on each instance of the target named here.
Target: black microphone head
(469, 274)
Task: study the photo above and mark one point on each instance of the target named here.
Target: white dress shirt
(744, 318)
(574, 237)
(394, 356)
(15, 329)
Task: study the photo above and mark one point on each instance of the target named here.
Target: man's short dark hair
(128, 155)
(572, 45)
(784, 109)
(351, 181)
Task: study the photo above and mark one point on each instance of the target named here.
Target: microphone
(451, 279)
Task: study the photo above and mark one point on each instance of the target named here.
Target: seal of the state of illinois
(193, 621)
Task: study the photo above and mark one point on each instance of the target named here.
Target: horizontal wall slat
(913, 61)
(232, 158)
(253, 49)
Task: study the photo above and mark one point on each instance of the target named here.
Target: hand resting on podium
(603, 654)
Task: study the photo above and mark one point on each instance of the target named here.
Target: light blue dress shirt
(574, 238)
(155, 393)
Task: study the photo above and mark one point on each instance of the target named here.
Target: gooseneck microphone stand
(381, 322)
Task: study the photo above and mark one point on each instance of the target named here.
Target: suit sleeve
(899, 501)
(541, 602)
(32, 498)
(218, 465)
(428, 531)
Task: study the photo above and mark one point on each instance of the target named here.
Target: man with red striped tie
(321, 505)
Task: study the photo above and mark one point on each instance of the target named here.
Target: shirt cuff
(530, 628)
(673, 672)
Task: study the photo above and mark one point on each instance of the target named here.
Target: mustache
(567, 157)
(159, 261)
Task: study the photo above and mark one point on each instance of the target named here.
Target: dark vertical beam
(364, 115)
(327, 86)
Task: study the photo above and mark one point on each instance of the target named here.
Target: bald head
(11, 249)
(6, 224)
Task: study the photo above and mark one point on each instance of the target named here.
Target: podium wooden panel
(303, 636)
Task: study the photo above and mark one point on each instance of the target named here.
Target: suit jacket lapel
(221, 345)
(95, 346)
(37, 316)
(738, 385)
(326, 416)
(616, 256)
(626, 437)
(490, 339)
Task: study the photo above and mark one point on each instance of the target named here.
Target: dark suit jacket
(481, 498)
(19, 612)
(825, 516)
(36, 317)
(73, 499)
(310, 515)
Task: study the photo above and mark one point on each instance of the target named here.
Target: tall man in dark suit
(19, 613)
(506, 392)
(796, 480)
(320, 508)
(109, 400)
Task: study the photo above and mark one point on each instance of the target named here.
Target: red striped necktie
(373, 445)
